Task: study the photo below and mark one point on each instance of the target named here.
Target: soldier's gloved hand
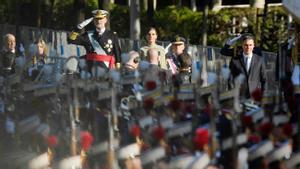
(233, 40)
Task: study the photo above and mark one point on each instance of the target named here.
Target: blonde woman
(40, 57)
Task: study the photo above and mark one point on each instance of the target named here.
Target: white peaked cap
(73, 162)
(129, 151)
(200, 161)
(181, 162)
(180, 129)
(241, 139)
(102, 147)
(153, 155)
(39, 162)
(259, 150)
(284, 150)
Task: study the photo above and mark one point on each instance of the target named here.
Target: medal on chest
(108, 45)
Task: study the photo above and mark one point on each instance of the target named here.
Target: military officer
(101, 44)
(173, 59)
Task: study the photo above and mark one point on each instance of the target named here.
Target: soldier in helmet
(101, 44)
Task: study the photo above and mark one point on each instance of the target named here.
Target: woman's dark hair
(185, 60)
(152, 28)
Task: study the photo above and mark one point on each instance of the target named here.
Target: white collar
(249, 55)
(100, 31)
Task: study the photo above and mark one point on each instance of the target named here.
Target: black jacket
(255, 78)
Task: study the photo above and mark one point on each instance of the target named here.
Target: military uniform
(102, 48)
(174, 62)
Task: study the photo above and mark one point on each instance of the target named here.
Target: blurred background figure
(8, 55)
(39, 58)
(153, 57)
(131, 62)
(185, 71)
(154, 72)
(151, 43)
(151, 73)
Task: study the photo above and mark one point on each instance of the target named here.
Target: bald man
(153, 56)
(8, 55)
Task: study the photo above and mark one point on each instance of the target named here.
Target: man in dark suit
(249, 64)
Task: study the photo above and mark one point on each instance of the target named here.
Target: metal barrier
(58, 47)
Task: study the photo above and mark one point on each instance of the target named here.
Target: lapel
(243, 65)
(253, 63)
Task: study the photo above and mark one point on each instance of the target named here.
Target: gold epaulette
(73, 35)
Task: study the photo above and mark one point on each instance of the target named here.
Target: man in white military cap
(101, 44)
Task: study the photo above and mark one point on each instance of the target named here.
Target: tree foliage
(183, 21)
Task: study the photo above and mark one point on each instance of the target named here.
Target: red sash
(102, 58)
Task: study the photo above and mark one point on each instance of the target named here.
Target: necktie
(247, 63)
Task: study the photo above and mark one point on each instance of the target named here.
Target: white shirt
(100, 31)
(249, 57)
